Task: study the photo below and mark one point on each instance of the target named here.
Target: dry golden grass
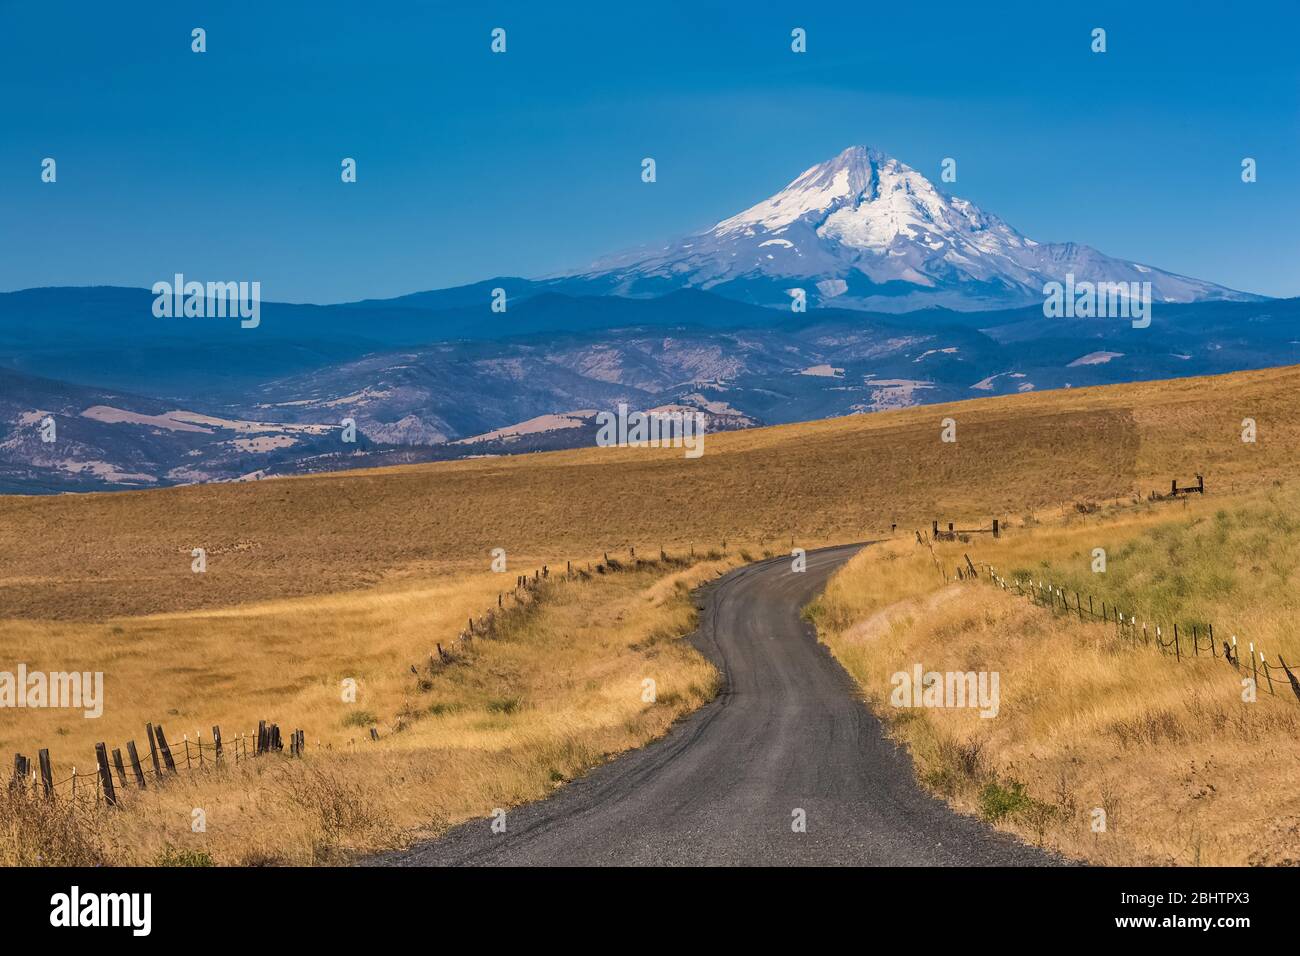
(91, 557)
(1231, 561)
(311, 580)
(1186, 772)
(555, 692)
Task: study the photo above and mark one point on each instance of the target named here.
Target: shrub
(998, 802)
(183, 856)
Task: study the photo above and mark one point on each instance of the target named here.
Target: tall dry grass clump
(35, 831)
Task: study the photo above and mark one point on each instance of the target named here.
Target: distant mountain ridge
(540, 390)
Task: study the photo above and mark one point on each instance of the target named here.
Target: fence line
(528, 589)
(98, 785)
(1179, 643)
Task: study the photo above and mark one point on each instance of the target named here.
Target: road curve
(788, 732)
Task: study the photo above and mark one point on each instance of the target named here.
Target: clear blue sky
(225, 165)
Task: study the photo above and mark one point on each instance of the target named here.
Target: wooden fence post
(216, 741)
(105, 775)
(166, 750)
(121, 768)
(153, 751)
(47, 774)
(1295, 684)
(135, 764)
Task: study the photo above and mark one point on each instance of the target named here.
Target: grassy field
(557, 688)
(1184, 769)
(93, 557)
(359, 575)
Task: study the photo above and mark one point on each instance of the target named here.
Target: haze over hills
(141, 401)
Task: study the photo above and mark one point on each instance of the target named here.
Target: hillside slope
(834, 480)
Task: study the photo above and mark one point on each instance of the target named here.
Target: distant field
(311, 580)
(93, 557)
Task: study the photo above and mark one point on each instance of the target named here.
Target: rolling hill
(835, 479)
(550, 355)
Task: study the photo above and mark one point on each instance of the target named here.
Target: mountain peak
(860, 159)
(868, 231)
(863, 183)
(854, 169)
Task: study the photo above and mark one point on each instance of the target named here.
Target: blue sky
(225, 165)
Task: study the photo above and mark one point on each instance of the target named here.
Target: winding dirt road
(788, 733)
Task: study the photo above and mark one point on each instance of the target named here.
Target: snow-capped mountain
(863, 230)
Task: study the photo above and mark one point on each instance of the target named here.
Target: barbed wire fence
(114, 774)
(99, 786)
(1169, 640)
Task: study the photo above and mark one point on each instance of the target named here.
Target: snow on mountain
(863, 230)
